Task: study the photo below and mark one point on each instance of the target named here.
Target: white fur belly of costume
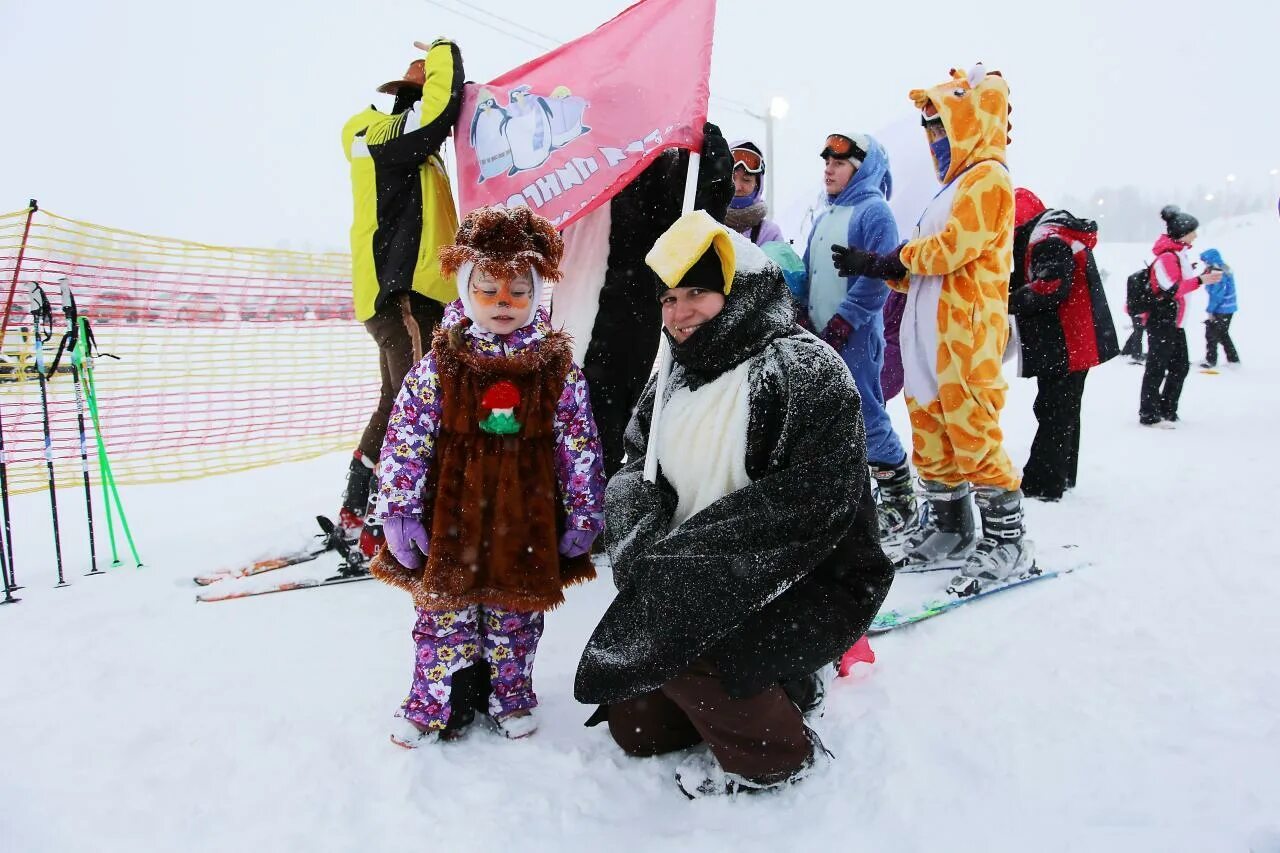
(702, 441)
(918, 337)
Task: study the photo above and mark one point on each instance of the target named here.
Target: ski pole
(10, 575)
(103, 463)
(42, 322)
(110, 492)
(4, 571)
(6, 552)
(74, 339)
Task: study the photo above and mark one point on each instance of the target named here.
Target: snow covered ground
(1133, 705)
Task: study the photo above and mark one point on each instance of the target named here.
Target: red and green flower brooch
(501, 400)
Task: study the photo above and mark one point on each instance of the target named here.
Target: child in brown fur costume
(492, 482)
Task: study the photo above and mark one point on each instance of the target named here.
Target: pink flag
(567, 131)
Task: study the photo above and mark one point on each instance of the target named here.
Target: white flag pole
(664, 349)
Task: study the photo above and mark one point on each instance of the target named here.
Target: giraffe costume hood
(956, 321)
(974, 108)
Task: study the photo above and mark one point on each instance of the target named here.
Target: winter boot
(809, 692)
(409, 735)
(516, 725)
(1004, 553)
(896, 508)
(945, 535)
(355, 502)
(700, 775)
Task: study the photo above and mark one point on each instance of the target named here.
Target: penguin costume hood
(757, 305)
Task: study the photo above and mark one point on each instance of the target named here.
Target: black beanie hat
(706, 273)
(1178, 223)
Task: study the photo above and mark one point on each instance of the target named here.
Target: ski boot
(896, 508)
(945, 535)
(1004, 553)
(371, 539)
(355, 519)
(356, 500)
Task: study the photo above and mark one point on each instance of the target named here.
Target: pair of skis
(900, 617)
(353, 567)
(944, 602)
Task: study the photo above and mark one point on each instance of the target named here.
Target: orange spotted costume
(957, 312)
(955, 326)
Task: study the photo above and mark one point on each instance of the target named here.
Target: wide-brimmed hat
(416, 76)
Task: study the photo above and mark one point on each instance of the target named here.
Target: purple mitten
(837, 332)
(407, 540)
(575, 543)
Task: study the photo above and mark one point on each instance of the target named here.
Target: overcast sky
(220, 122)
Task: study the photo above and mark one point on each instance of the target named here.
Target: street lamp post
(778, 108)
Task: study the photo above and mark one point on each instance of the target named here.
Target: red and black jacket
(1056, 294)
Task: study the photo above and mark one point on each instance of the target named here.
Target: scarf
(745, 218)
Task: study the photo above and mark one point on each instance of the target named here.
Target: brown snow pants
(395, 359)
(760, 737)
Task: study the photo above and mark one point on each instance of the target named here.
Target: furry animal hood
(975, 112)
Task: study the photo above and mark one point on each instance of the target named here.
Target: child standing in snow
(492, 482)
(1222, 308)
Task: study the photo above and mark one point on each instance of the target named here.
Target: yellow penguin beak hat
(685, 246)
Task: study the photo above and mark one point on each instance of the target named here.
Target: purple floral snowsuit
(448, 641)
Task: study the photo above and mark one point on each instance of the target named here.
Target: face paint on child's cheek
(501, 297)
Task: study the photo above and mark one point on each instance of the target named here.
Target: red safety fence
(228, 358)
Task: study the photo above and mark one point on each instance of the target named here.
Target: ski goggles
(843, 147)
(751, 161)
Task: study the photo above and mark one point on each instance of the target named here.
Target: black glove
(851, 262)
(855, 262)
(715, 174)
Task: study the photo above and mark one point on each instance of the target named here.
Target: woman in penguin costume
(754, 561)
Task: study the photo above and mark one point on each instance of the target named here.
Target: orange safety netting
(229, 358)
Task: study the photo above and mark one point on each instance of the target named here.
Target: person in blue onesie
(845, 310)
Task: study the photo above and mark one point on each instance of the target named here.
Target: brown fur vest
(495, 512)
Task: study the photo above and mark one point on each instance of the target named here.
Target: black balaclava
(406, 97)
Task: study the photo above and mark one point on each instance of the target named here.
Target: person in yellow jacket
(955, 272)
(403, 213)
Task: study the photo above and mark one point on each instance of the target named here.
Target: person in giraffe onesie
(955, 273)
